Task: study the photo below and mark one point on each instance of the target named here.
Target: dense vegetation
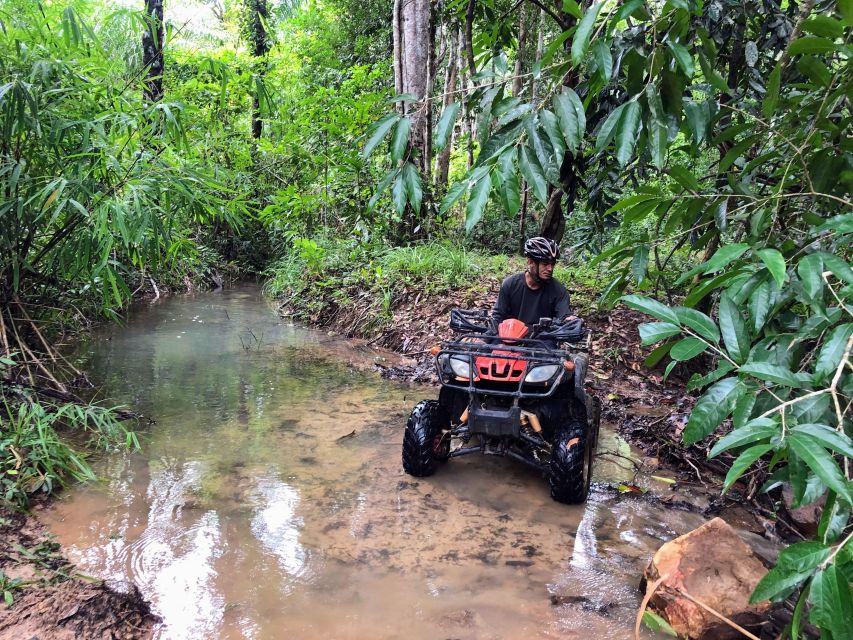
(697, 154)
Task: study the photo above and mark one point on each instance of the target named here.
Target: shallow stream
(268, 500)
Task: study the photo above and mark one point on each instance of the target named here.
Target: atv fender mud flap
(495, 422)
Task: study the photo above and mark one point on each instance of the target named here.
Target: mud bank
(50, 600)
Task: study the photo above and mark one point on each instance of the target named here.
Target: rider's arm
(562, 307)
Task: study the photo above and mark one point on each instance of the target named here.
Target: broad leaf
(771, 96)
(511, 191)
(699, 322)
(572, 117)
(580, 42)
(651, 307)
(810, 270)
(832, 352)
(743, 462)
(771, 373)
(532, 172)
(733, 330)
(445, 126)
(712, 408)
(453, 194)
(477, 202)
(832, 602)
(697, 382)
(627, 131)
(759, 305)
(640, 263)
(827, 437)
(400, 140)
(603, 59)
(682, 57)
(687, 348)
(651, 332)
(379, 131)
(775, 263)
(414, 191)
(821, 464)
(753, 431)
(724, 255)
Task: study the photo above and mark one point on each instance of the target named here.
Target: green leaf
(414, 191)
(580, 42)
(657, 129)
(736, 152)
(453, 194)
(657, 624)
(651, 307)
(759, 305)
(532, 172)
(827, 437)
(821, 463)
(603, 59)
(810, 270)
(608, 128)
(511, 191)
(771, 373)
(697, 382)
(743, 462)
(831, 352)
(378, 131)
(771, 96)
(711, 409)
(572, 117)
(380, 188)
(445, 126)
(811, 44)
(699, 322)
(698, 118)
(821, 25)
(477, 202)
(754, 430)
(626, 132)
(657, 354)
(845, 7)
(725, 255)
(687, 348)
(775, 263)
(640, 263)
(400, 140)
(733, 330)
(839, 268)
(552, 130)
(682, 57)
(832, 602)
(398, 194)
(651, 332)
(802, 556)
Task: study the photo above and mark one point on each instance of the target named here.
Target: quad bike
(508, 390)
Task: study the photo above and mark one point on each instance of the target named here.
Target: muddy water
(268, 500)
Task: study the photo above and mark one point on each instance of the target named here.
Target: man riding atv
(508, 389)
(534, 293)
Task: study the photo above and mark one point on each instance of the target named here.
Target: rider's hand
(570, 318)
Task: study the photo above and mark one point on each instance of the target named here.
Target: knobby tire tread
(423, 424)
(567, 465)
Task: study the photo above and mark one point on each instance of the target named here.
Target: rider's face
(546, 270)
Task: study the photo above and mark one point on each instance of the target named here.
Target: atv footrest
(495, 422)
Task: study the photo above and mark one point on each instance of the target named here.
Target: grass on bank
(321, 273)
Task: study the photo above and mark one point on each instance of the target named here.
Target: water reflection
(247, 515)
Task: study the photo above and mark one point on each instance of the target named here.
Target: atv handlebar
(480, 321)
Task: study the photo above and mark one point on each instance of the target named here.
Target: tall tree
(443, 164)
(256, 21)
(152, 50)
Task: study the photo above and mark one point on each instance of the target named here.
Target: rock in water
(715, 567)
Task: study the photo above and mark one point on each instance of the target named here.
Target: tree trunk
(519, 55)
(415, 58)
(152, 50)
(540, 46)
(443, 165)
(260, 47)
(397, 38)
(469, 41)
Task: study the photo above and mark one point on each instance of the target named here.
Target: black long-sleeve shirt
(517, 300)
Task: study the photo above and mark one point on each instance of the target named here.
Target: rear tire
(424, 441)
(571, 463)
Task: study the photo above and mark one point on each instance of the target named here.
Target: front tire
(571, 463)
(424, 441)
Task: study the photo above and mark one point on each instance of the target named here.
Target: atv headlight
(541, 374)
(460, 366)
